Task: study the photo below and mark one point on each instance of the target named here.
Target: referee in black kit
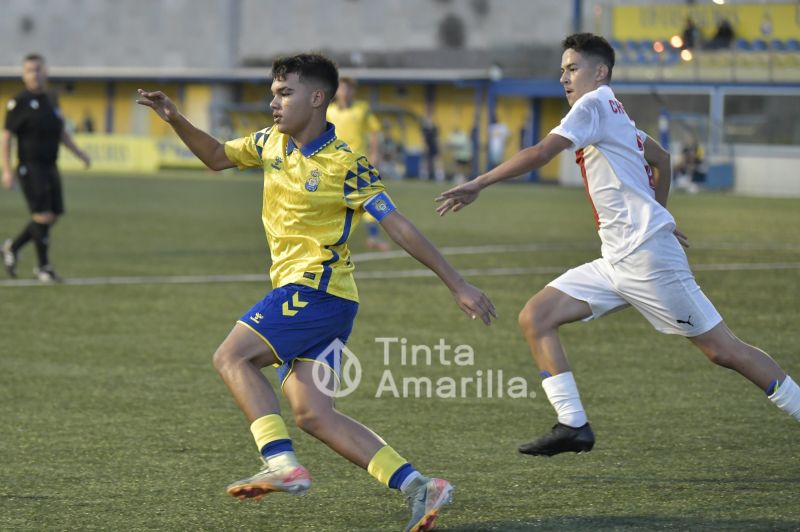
(34, 118)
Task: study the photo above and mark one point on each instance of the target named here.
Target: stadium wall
(767, 170)
(652, 22)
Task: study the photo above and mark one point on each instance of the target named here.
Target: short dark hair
(309, 67)
(33, 57)
(591, 45)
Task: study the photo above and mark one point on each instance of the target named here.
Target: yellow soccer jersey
(354, 124)
(314, 197)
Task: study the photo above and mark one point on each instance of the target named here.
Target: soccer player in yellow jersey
(315, 190)
(360, 128)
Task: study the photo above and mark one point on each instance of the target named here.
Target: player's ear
(602, 72)
(318, 98)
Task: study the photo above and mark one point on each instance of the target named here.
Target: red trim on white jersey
(614, 171)
(581, 163)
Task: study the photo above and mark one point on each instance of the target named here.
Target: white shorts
(655, 279)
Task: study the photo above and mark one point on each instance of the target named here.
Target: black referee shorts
(41, 184)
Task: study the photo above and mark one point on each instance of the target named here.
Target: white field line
(422, 272)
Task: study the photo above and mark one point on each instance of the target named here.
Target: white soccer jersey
(618, 180)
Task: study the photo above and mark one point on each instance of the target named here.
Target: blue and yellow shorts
(300, 323)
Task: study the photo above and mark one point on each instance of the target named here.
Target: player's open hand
(158, 102)
(683, 239)
(475, 303)
(458, 197)
(84, 157)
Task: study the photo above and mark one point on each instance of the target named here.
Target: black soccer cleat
(562, 439)
(9, 259)
(47, 275)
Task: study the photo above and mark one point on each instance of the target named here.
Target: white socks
(562, 392)
(787, 398)
(407, 482)
(281, 460)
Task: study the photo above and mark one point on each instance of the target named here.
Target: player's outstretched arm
(204, 146)
(5, 146)
(69, 142)
(524, 161)
(471, 300)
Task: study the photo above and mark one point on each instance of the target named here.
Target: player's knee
(309, 420)
(721, 349)
(533, 319)
(224, 359)
(719, 354)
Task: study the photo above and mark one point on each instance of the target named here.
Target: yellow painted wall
(113, 153)
(663, 21)
(553, 110)
(257, 94)
(514, 112)
(8, 89)
(412, 99)
(81, 99)
(454, 109)
(197, 103)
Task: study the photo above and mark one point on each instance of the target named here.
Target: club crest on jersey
(34, 104)
(276, 164)
(312, 183)
(380, 205)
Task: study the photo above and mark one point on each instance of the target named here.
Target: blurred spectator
(88, 123)
(724, 36)
(690, 171)
(391, 157)
(355, 122)
(498, 136)
(358, 126)
(433, 168)
(766, 26)
(461, 147)
(691, 35)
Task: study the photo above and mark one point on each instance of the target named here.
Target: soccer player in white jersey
(642, 265)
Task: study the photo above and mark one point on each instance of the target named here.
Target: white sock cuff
(409, 479)
(786, 390)
(562, 392)
(558, 383)
(281, 460)
(787, 398)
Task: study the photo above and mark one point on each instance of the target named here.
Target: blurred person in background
(498, 137)
(461, 148)
(690, 171)
(691, 35)
(432, 168)
(358, 126)
(33, 117)
(723, 37)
